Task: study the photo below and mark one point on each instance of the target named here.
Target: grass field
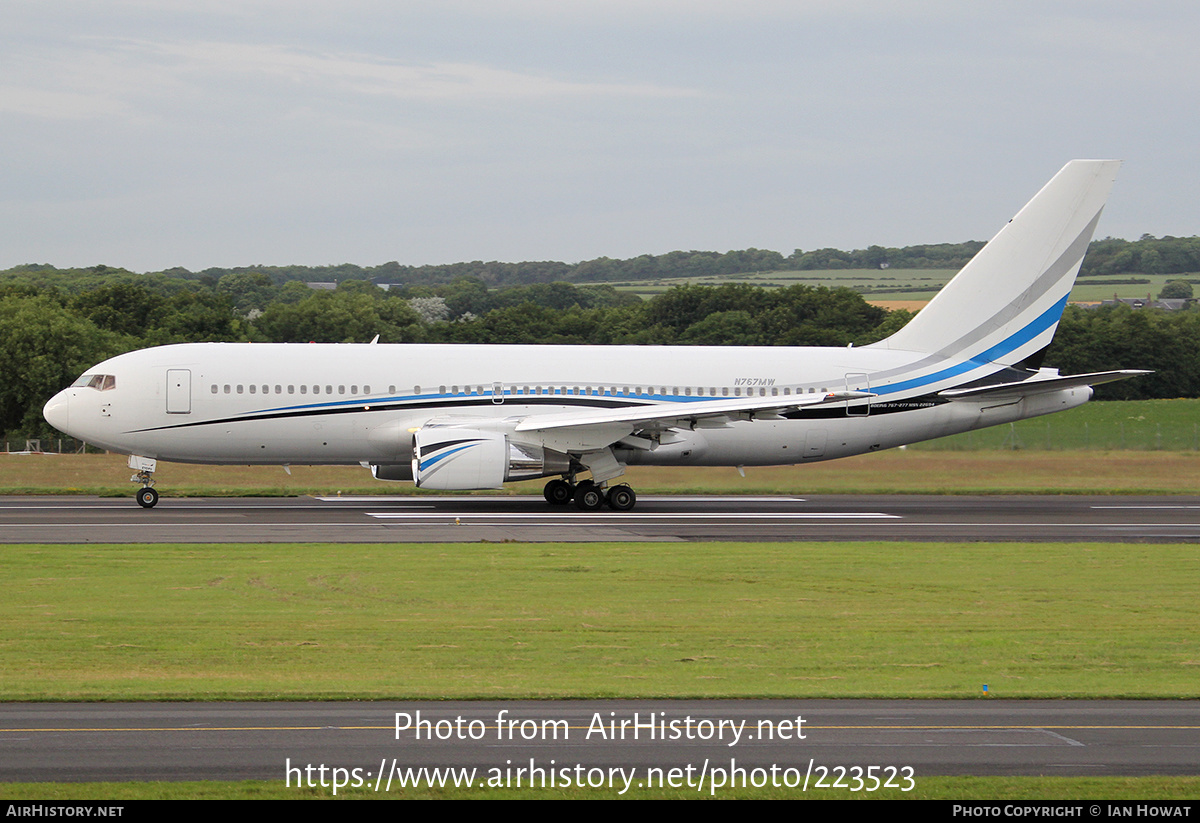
(901, 284)
(907, 471)
(889, 284)
(1132, 425)
(1136, 447)
(311, 621)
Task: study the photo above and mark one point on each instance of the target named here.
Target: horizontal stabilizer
(1039, 385)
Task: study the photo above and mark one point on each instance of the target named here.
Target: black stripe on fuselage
(445, 405)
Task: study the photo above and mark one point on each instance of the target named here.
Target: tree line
(51, 335)
(1109, 256)
(51, 332)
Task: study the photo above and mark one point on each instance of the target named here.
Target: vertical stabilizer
(1006, 303)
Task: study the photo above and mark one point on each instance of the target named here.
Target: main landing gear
(589, 496)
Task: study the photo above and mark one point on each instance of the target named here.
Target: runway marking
(1059, 736)
(523, 498)
(617, 517)
(174, 524)
(602, 519)
(1147, 506)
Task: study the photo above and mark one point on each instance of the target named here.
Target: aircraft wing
(672, 414)
(1039, 385)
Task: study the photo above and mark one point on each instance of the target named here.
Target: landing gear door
(858, 382)
(179, 391)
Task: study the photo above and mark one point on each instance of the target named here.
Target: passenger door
(179, 391)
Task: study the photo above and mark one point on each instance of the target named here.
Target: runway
(912, 739)
(464, 518)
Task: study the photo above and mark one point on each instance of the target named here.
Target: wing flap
(671, 414)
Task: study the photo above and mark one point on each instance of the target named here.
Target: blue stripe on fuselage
(987, 357)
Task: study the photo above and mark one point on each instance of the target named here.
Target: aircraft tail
(1004, 306)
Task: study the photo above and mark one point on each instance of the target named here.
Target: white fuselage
(255, 403)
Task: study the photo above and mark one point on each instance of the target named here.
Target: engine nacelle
(450, 458)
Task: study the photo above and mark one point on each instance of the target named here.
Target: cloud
(103, 78)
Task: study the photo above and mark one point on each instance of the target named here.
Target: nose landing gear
(147, 497)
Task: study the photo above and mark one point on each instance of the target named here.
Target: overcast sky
(149, 134)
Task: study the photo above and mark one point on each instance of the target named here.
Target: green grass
(1121, 447)
(1124, 425)
(908, 471)
(901, 284)
(877, 284)
(698, 620)
(928, 788)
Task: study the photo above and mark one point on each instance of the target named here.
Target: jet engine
(452, 458)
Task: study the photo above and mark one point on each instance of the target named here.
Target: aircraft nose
(57, 411)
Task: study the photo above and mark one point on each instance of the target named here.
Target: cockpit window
(99, 382)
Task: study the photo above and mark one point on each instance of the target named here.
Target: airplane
(452, 417)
